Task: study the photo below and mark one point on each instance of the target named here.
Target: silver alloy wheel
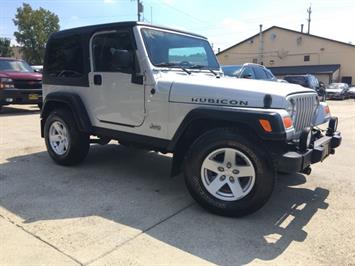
(58, 137)
(228, 174)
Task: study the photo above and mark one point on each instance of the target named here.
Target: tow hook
(307, 170)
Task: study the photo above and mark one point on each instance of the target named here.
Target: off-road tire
(265, 173)
(79, 142)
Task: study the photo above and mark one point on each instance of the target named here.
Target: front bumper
(296, 161)
(20, 96)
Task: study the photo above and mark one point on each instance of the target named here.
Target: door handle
(97, 79)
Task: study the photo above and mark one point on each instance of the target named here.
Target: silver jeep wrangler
(163, 90)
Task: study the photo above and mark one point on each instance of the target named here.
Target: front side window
(177, 50)
(112, 52)
(15, 66)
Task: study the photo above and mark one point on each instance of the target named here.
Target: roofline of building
(293, 31)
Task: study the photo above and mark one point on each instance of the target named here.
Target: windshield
(176, 50)
(15, 66)
(231, 71)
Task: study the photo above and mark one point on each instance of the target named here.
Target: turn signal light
(288, 123)
(265, 125)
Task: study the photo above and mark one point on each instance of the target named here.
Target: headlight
(291, 108)
(6, 83)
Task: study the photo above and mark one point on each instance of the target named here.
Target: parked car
(37, 68)
(337, 91)
(308, 81)
(19, 84)
(144, 86)
(249, 71)
(351, 92)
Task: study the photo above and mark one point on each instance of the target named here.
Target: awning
(302, 70)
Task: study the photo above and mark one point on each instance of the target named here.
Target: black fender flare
(246, 117)
(70, 100)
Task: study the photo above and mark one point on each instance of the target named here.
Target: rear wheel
(65, 143)
(227, 174)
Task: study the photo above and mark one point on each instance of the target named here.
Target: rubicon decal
(219, 101)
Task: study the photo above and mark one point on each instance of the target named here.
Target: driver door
(116, 100)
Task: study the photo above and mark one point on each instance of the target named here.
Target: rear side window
(65, 58)
(260, 73)
(112, 52)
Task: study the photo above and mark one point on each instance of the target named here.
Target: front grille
(306, 105)
(28, 84)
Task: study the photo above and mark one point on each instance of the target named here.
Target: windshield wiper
(173, 65)
(204, 67)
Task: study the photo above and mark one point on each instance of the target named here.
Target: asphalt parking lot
(121, 207)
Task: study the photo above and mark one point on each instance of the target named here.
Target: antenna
(309, 11)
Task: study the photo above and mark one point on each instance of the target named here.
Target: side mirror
(122, 59)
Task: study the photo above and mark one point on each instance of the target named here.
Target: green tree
(34, 28)
(5, 48)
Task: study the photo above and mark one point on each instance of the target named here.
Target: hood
(22, 75)
(226, 91)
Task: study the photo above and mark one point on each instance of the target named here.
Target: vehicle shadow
(10, 110)
(133, 188)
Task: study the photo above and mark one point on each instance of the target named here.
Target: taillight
(6, 83)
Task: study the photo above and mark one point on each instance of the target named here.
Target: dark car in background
(248, 71)
(337, 91)
(19, 83)
(308, 81)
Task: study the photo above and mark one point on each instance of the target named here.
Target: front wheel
(65, 143)
(227, 174)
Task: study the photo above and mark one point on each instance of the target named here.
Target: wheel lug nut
(222, 178)
(231, 179)
(221, 169)
(235, 172)
(229, 165)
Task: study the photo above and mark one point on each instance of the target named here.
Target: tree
(5, 48)
(34, 28)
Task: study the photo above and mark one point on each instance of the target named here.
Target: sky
(224, 22)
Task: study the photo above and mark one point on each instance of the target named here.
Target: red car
(19, 83)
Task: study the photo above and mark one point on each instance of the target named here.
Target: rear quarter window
(65, 58)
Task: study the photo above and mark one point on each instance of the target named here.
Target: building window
(255, 60)
(307, 58)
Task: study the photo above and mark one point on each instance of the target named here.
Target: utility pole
(309, 11)
(139, 9)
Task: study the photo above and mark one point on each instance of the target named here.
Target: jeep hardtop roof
(110, 26)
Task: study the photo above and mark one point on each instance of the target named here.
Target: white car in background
(337, 91)
(37, 68)
(351, 92)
